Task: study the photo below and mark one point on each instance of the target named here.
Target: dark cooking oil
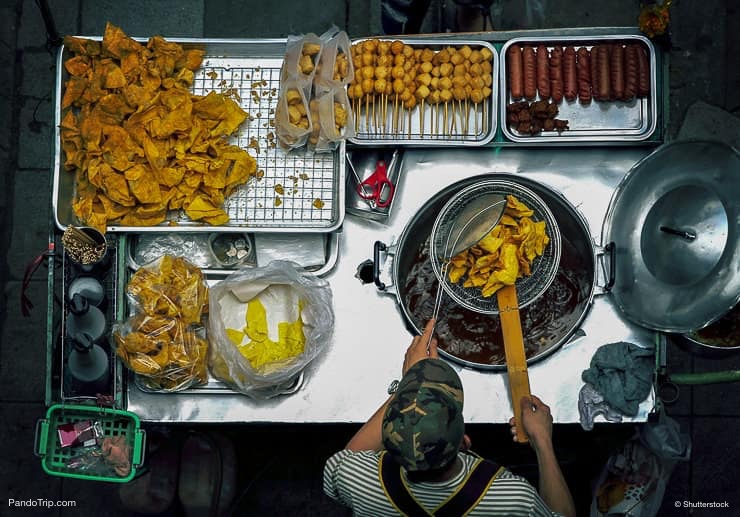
(477, 338)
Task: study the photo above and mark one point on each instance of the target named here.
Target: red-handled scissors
(377, 187)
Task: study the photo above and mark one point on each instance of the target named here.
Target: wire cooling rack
(296, 189)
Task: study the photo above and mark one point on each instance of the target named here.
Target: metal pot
(674, 219)
(715, 341)
(475, 339)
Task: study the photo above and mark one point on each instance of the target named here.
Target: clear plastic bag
(335, 119)
(284, 292)
(292, 121)
(162, 339)
(302, 55)
(335, 69)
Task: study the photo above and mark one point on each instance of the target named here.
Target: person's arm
(537, 422)
(370, 436)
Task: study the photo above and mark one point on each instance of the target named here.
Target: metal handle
(607, 252)
(379, 246)
(685, 234)
(611, 249)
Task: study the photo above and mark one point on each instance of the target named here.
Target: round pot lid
(674, 222)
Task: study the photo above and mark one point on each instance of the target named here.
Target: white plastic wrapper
(280, 287)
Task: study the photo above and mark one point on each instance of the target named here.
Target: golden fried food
(139, 143)
(159, 340)
(503, 255)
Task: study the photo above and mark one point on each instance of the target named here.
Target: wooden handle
(516, 360)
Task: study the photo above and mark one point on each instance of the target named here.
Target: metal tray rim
(441, 41)
(326, 227)
(605, 138)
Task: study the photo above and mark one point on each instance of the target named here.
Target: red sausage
(583, 66)
(604, 84)
(630, 72)
(596, 92)
(516, 78)
(569, 74)
(556, 74)
(643, 70)
(616, 63)
(530, 72)
(543, 72)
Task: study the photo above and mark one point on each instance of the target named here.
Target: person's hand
(537, 422)
(418, 348)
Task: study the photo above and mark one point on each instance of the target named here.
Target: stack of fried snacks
(503, 255)
(161, 340)
(139, 142)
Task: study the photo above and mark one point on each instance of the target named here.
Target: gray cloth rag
(622, 373)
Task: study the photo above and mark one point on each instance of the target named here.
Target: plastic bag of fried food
(162, 340)
(302, 55)
(335, 68)
(334, 119)
(141, 145)
(292, 117)
(505, 254)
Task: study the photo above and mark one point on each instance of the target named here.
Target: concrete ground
(279, 467)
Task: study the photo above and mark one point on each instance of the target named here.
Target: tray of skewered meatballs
(424, 92)
(578, 89)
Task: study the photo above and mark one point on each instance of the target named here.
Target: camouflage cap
(423, 425)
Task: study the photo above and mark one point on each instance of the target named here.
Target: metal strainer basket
(544, 268)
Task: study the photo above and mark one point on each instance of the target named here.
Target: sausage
(604, 84)
(570, 87)
(630, 72)
(556, 74)
(616, 64)
(543, 72)
(595, 91)
(583, 66)
(643, 72)
(516, 78)
(529, 61)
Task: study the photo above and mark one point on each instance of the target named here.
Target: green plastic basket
(114, 422)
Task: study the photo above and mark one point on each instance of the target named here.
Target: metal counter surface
(348, 382)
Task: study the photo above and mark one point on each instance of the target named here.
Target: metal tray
(199, 247)
(612, 121)
(251, 68)
(412, 133)
(364, 161)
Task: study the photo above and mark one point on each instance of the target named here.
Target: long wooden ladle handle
(516, 360)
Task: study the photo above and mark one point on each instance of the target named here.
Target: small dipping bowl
(231, 249)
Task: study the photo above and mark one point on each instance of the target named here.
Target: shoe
(207, 481)
(153, 491)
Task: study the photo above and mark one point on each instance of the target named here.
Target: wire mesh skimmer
(448, 230)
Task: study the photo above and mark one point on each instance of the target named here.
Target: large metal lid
(674, 221)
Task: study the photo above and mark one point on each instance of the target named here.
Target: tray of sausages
(578, 89)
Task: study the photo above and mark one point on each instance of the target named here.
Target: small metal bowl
(231, 249)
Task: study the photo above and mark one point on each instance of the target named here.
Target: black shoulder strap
(472, 490)
(389, 473)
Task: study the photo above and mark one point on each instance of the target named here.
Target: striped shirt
(351, 478)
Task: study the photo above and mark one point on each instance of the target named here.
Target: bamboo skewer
(421, 118)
